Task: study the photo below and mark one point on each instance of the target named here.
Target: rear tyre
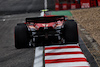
(70, 32)
(21, 24)
(21, 36)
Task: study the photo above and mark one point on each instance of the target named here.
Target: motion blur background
(23, 6)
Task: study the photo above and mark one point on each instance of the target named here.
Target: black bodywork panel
(45, 19)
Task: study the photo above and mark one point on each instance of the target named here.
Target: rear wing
(45, 19)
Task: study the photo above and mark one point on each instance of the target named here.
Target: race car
(46, 30)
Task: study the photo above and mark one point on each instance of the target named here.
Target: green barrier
(66, 13)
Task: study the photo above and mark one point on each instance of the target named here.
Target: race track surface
(12, 57)
(9, 55)
(23, 6)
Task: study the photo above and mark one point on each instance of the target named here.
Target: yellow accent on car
(45, 10)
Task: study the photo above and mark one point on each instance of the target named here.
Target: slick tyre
(70, 32)
(21, 36)
(21, 24)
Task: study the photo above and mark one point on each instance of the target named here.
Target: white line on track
(45, 4)
(38, 61)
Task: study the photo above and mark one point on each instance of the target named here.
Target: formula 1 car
(45, 31)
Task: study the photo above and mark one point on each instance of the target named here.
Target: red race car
(47, 30)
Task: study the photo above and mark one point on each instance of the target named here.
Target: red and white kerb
(65, 56)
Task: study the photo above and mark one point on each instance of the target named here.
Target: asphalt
(9, 55)
(12, 57)
(23, 6)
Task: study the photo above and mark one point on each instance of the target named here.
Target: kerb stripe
(62, 53)
(61, 47)
(68, 64)
(65, 60)
(65, 56)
